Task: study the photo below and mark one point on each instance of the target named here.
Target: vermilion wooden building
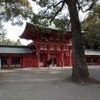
(93, 57)
(50, 45)
(16, 57)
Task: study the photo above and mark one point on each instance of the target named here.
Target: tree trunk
(80, 71)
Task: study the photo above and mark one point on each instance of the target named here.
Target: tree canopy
(91, 27)
(15, 11)
(5, 41)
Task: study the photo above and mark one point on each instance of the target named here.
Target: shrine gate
(50, 44)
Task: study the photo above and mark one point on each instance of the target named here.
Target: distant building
(93, 57)
(16, 57)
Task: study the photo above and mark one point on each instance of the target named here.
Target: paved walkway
(46, 84)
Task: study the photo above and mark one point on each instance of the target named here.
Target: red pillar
(98, 60)
(44, 62)
(9, 61)
(23, 65)
(91, 58)
(38, 60)
(62, 56)
(62, 59)
(48, 56)
(70, 58)
(38, 55)
(70, 55)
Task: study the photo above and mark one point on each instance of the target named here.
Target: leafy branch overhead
(91, 25)
(51, 8)
(15, 10)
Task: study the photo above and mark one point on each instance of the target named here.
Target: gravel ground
(46, 84)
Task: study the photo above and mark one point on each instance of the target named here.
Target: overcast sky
(13, 32)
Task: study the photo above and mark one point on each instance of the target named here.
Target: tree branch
(47, 9)
(52, 6)
(58, 3)
(91, 6)
(79, 6)
(69, 23)
(58, 11)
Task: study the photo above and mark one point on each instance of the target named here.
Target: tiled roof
(92, 52)
(33, 32)
(15, 50)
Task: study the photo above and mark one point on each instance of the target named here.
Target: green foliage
(9, 42)
(62, 24)
(40, 21)
(18, 43)
(41, 30)
(91, 26)
(2, 33)
(15, 10)
(53, 9)
(42, 3)
(2, 36)
(5, 41)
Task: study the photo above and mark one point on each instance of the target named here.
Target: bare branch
(68, 23)
(58, 11)
(5, 3)
(47, 9)
(79, 6)
(91, 6)
(58, 4)
(52, 6)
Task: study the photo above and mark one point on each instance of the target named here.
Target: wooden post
(98, 60)
(9, 61)
(91, 58)
(23, 65)
(38, 55)
(70, 57)
(38, 59)
(48, 56)
(62, 54)
(62, 60)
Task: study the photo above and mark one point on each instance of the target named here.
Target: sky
(13, 32)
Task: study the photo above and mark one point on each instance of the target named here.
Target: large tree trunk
(80, 70)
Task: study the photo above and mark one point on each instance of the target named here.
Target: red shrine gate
(58, 53)
(50, 45)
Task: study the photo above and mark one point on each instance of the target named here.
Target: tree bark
(80, 70)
